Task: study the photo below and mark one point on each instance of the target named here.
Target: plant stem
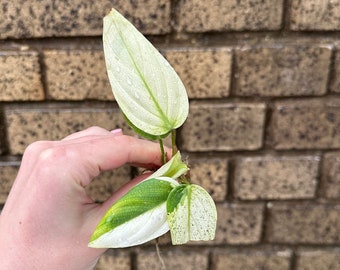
(162, 151)
(173, 146)
(173, 142)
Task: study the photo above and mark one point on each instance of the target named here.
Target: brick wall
(263, 134)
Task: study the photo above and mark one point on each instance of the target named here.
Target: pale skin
(48, 217)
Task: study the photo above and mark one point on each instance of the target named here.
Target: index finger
(133, 151)
(93, 154)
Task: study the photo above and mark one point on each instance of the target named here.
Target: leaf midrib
(153, 98)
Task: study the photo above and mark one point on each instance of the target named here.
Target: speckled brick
(103, 186)
(204, 72)
(251, 260)
(114, 260)
(272, 177)
(224, 126)
(8, 172)
(306, 124)
(173, 259)
(22, 19)
(76, 75)
(335, 78)
(304, 223)
(202, 16)
(318, 259)
(330, 183)
(282, 71)
(20, 76)
(238, 223)
(315, 15)
(26, 124)
(212, 174)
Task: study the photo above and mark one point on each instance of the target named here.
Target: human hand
(48, 218)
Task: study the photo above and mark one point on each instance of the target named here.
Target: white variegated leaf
(137, 217)
(174, 168)
(192, 214)
(139, 230)
(148, 90)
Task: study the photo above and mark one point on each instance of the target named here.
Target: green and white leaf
(192, 214)
(137, 217)
(148, 90)
(174, 168)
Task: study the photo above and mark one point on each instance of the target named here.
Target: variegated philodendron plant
(154, 102)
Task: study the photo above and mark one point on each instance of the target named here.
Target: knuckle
(36, 147)
(49, 154)
(58, 154)
(96, 129)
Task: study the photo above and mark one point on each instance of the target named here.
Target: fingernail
(117, 131)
